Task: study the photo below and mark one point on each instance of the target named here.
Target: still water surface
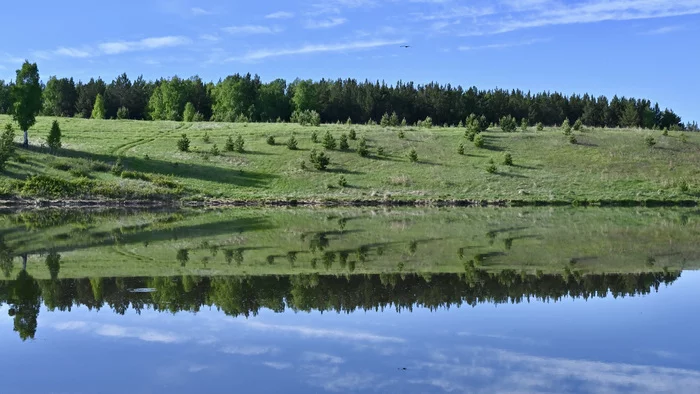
(460, 309)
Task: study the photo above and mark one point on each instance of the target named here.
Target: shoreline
(224, 203)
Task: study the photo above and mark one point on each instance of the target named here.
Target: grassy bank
(603, 165)
(242, 242)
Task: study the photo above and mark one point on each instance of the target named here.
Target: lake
(412, 300)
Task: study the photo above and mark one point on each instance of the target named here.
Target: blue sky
(642, 48)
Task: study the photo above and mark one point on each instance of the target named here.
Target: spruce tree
(54, 138)
(98, 110)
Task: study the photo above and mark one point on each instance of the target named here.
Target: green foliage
(53, 140)
(540, 126)
(460, 124)
(98, 109)
(479, 141)
(270, 140)
(572, 139)
(380, 151)
(214, 151)
(26, 97)
(384, 122)
(328, 141)
(239, 145)
(460, 149)
(684, 138)
(524, 124)
(292, 143)
(352, 135)
(229, 146)
(117, 167)
(349, 122)
(412, 155)
(630, 116)
(508, 124)
(7, 145)
(314, 137)
(183, 144)
(650, 141)
(140, 176)
(665, 133)
(566, 127)
(362, 148)
(578, 125)
(343, 144)
(123, 113)
(428, 122)
(306, 118)
(683, 186)
(508, 159)
(53, 187)
(393, 119)
(206, 139)
(189, 112)
(198, 117)
(401, 134)
(403, 122)
(491, 168)
(342, 182)
(319, 160)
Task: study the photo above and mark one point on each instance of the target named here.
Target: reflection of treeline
(247, 295)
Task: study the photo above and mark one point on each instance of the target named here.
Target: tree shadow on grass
(180, 170)
(510, 175)
(343, 171)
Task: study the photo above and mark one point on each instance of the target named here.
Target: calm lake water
(397, 301)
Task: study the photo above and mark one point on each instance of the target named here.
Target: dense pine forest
(245, 98)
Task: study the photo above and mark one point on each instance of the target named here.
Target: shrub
(524, 124)
(53, 140)
(306, 118)
(302, 165)
(665, 133)
(80, 172)
(508, 124)
(578, 125)
(229, 146)
(412, 156)
(270, 140)
(135, 175)
(349, 121)
(165, 181)
(188, 113)
(380, 151)
(99, 166)
(362, 148)
(401, 134)
(428, 122)
(683, 187)
(48, 186)
(314, 137)
(214, 151)
(460, 149)
(491, 168)
(508, 159)
(328, 141)
(384, 122)
(572, 139)
(342, 182)
(206, 137)
(470, 135)
(479, 141)
(352, 135)
(123, 113)
(7, 145)
(292, 143)
(343, 144)
(460, 124)
(241, 119)
(566, 127)
(403, 122)
(319, 160)
(61, 165)
(649, 140)
(393, 119)
(117, 167)
(239, 144)
(183, 144)
(540, 126)
(198, 117)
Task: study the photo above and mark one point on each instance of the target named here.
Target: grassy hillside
(117, 243)
(612, 165)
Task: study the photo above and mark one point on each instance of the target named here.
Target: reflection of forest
(247, 295)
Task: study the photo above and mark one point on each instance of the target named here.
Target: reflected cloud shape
(115, 331)
(324, 333)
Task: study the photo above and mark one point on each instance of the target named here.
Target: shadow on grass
(510, 175)
(343, 171)
(177, 169)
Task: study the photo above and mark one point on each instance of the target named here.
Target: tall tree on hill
(59, 97)
(26, 98)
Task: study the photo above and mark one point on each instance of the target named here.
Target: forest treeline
(246, 296)
(245, 98)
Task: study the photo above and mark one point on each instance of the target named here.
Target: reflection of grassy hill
(341, 241)
(609, 165)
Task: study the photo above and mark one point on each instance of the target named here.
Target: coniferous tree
(54, 138)
(98, 109)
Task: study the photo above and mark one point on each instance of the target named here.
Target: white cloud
(664, 30)
(280, 15)
(325, 23)
(322, 357)
(324, 333)
(249, 350)
(7, 58)
(252, 29)
(117, 47)
(209, 37)
(277, 365)
(200, 11)
(315, 48)
(72, 52)
(503, 45)
(115, 331)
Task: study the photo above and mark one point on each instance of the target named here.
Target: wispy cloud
(503, 45)
(252, 29)
(664, 30)
(322, 357)
(117, 47)
(116, 331)
(72, 52)
(249, 350)
(324, 333)
(277, 365)
(209, 37)
(280, 15)
(325, 23)
(315, 48)
(199, 11)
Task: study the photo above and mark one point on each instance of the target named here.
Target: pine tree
(353, 134)
(328, 141)
(412, 156)
(183, 144)
(362, 148)
(566, 127)
(229, 146)
(292, 143)
(98, 110)
(343, 144)
(384, 122)
(239, 145)
(54, 138)
(630, 117)
(393, 119)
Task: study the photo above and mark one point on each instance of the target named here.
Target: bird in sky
(405, 46)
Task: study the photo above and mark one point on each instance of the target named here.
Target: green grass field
(116, 243)
(605, 165)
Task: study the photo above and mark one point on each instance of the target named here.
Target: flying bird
(405, 46)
